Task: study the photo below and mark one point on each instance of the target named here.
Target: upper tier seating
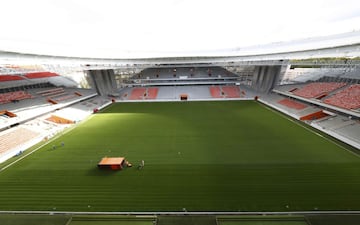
(40, 75)
(348, 98)
(10, 78)
(317, 89)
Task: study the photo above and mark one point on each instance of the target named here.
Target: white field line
(299, 124)
(69, 221)
(56, 137)
(22, 157)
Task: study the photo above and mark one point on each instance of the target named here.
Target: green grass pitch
(65, 219)
(199, 156)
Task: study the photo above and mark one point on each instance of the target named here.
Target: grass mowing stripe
(22, 219)
(202, 156)
(22, 157)
(37, 148)
(311, 130)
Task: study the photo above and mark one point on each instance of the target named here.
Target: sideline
(58, 135)
(22, 157)
(295, 121)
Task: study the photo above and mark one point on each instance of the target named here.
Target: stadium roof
(166, 28)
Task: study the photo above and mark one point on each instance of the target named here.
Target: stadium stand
(226, 92)
(23, 85)
(152, 93)
(38, 105)
(231, 91)
(292, 104)
(215, 92)
(37, 125)
(198, 92)
(51, 91)
(317, 89)
(7, 114)
(137, 94)
(57, 95)
(314, 115)
(40, 75)
(59, 120)
(143, 93)
(4, 78)
(15, 137)
(348, 98)
(184, 72)
(81, 110)
(350, 130)
(14, 96)
(275, 101)
(174, 92)
(65, 97)
(340, 126)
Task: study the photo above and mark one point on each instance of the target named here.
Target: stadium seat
(317, 89)
(40, 75)
(292, 104)
(348, 98)
(14, 96)
(10, 78)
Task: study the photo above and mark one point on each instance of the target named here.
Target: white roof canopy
(165, 28)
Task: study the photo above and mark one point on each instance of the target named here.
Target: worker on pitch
(128, 164)
(62, 145)
(142, 164)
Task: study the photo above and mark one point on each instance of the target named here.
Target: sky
(125, 28)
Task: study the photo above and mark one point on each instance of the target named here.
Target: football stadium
(256, 133)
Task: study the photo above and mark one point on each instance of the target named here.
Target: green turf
(115, 222)
(112, 220)
(21, 219)
(199, 156)
(350, 219)
(188, 220)
(261, 220)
